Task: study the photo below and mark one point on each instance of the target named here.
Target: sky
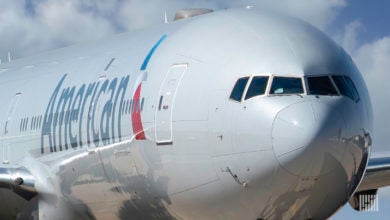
(362, 27)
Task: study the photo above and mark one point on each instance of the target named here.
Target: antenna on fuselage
(165, 17)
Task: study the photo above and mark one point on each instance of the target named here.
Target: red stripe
(136, 121)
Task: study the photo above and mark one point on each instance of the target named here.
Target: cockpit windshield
(347, 87)
(321, 85)
(266, 85)
(286, 86)
(257, 87)
(238, 89)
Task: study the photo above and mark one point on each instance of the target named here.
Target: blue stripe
(150, 54)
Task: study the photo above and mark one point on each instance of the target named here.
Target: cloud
(30, 26)
(351, 34)
(26, 29)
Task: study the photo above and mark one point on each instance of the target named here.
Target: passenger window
(347, 87)
(238, 89)
(257, 87)
(321, 86)
(286, 85)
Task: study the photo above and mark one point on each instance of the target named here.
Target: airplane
(234, 114)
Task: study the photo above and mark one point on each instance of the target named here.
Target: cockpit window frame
(352, 87)
(304, 81)
(269, 85)
(243, 92)
(321, 75)
(249, 83)
(271, 80)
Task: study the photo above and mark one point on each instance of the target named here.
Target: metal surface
(269, 157)
(377, 174)
(18, 180)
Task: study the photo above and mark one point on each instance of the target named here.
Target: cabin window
(160, 103)
(32, 122)
(286, 86)
(347, 87)
(257, 87)
(238, 89)
(25, 124)
(142, 104)
(321, 85)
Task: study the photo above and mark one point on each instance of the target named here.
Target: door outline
(11, 110)
(4, 144)
(162, 122)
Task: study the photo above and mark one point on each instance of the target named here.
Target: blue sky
(360, 26)
(373, 15)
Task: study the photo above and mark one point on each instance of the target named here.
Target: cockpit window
(353, 87)
(238, 89)
(286, 85)
(257, 87)
(321, 85)
(347, 87)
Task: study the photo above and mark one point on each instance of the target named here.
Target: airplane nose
(305, 135)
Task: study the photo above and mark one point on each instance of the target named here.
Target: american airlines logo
(89, 114)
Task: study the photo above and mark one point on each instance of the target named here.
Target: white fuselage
(142, 126)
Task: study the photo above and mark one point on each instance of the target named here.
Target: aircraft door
(165, 104)
(10, 113)
(4, 145)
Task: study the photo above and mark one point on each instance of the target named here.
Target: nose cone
(305, 136)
